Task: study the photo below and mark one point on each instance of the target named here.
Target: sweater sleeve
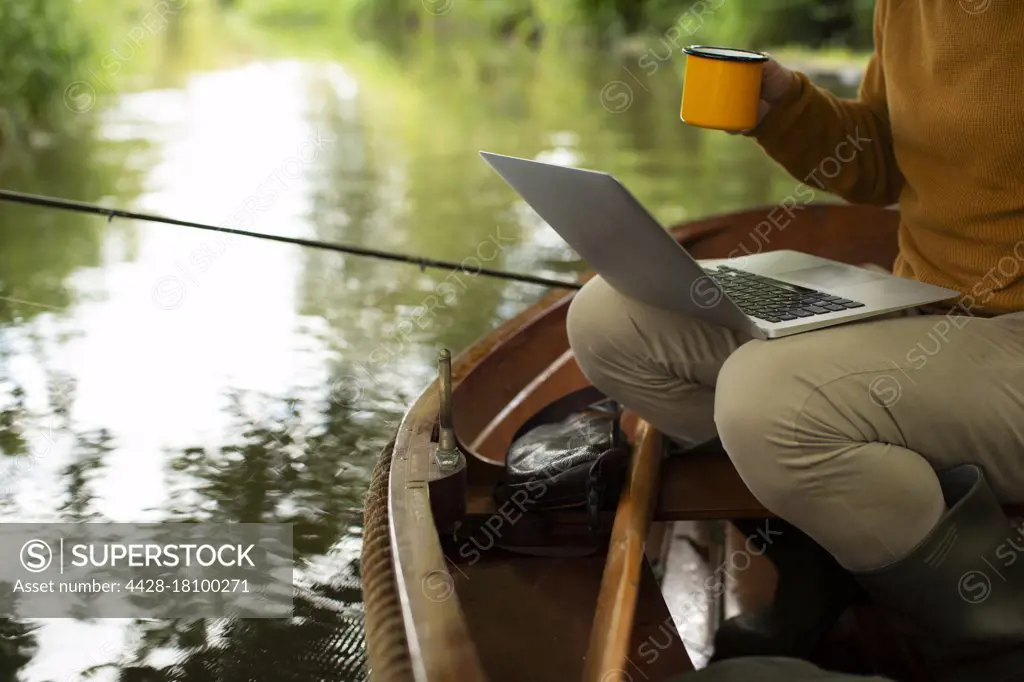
(843, 146)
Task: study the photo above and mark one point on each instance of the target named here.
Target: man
(888, 442)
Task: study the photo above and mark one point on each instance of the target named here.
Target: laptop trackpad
(833, 276)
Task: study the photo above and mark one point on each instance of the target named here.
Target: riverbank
(847, 67)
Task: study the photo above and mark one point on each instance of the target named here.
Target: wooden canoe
(481, 614)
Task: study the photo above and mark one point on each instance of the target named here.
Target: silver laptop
(766, 295)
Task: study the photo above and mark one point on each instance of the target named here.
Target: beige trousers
(838, 431)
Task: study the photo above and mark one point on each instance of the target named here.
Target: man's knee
(599, 328)
(758, 400)
(584, 315)
(742, 415)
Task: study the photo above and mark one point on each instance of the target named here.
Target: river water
(154, 373)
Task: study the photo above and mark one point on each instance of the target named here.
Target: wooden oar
(616, 602)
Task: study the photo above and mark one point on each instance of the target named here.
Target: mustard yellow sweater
(938, 126)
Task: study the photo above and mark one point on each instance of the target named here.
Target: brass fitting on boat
(448, 455)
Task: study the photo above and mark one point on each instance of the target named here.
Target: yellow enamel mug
(721, 87)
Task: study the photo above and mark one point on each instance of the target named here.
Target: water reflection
(153, 373)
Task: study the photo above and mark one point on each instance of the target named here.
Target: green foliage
(310, 12)
(814, 23)
(765, 23)
(43, 45)
(58, 56)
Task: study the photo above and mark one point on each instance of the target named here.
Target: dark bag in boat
(570, 454)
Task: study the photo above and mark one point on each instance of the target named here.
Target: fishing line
(423, 263)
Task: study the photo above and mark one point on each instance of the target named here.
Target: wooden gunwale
(440, 645)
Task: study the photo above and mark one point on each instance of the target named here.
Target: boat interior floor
(531, 616)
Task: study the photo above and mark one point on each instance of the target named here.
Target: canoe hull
(472, 612)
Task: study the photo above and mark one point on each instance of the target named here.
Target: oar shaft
(612, 631)
(110, 213)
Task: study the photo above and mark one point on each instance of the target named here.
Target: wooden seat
(705, 485)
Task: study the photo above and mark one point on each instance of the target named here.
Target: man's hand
(775, 81)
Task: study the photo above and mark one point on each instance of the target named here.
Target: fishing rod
(423, 263)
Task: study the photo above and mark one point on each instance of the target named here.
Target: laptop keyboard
(774, 301)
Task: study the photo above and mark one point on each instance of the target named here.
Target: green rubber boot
(812, 592)
(960, 592)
